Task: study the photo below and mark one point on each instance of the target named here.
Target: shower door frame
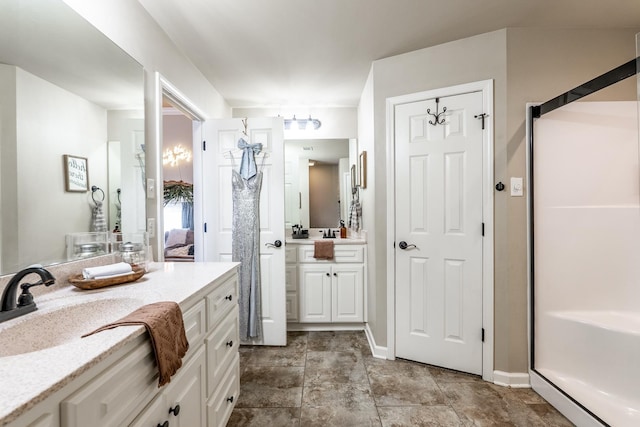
(535, 111)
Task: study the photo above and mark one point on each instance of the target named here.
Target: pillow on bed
(177, 236)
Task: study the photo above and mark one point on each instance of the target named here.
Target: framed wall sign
(76, 173)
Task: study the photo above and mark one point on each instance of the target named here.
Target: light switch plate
(517, 188)
(151, 227)
(151, 188)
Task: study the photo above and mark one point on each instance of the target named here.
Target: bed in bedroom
(178, 245)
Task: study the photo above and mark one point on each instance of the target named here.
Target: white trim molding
(377, 351)
(486, 87)
(511, 379)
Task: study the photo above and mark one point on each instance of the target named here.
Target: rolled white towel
(106, 270)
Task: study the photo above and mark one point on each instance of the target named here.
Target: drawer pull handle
(230, 399)
(164, 424)
(230, 343)
(175, 411)
(229, 297)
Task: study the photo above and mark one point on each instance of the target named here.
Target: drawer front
(111, 398)
(195, 324)
(220, 301)
(222, 346)
(220, 406)
(291, 254)
(342, 253)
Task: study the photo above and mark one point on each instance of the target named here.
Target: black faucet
(25, 303)
(328, 234)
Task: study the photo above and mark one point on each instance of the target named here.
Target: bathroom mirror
(65, 89)
(317, 181)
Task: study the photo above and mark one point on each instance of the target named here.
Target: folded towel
(165, 326)
(106, 270)
(323, 249)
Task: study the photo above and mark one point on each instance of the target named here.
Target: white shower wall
(587, 253)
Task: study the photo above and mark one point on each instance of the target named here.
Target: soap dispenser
(343, 230)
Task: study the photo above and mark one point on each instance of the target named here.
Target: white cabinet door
(182, 403)
(347, 293)
(188, 393)
(315, 293)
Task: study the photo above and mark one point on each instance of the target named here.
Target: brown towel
(164, 323)
(323, 249)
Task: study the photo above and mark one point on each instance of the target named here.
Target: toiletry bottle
(343, 230)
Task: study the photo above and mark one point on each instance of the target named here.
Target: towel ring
(95, 188)
(119, 191)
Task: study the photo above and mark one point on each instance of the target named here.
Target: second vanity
(326, 294)
(56, 378)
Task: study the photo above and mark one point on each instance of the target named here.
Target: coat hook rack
(244, 124)
(437, 119)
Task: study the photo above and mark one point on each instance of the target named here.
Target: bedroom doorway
(178, 182)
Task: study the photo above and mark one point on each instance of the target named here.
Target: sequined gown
(246, 250)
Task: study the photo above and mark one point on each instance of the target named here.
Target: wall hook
(437, 119)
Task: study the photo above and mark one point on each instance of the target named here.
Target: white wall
(337, 122)
(47, 127)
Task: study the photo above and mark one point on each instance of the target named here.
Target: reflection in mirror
(317, 182)
(65, 89)
(177, 172)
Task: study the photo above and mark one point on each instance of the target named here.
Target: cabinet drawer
(111, 398)
(220, 301)
(220, 406)
(194, 323)
(291, 254)
(222, 346)
(342, 253)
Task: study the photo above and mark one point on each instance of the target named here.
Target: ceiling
(259, 53)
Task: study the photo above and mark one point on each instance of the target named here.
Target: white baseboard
(511, 379)
(377, 351)
(324, 327)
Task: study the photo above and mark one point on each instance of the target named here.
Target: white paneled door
(219, 157)
(438, 216)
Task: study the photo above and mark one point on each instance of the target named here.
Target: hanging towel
(323, 249)
(248, 168)
(355, 214)
(98, 221)
(165, 326)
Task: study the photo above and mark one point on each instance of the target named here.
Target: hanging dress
(246, 247)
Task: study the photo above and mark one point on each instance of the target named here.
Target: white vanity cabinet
(329, 291)
(291, 280)
(122, 389)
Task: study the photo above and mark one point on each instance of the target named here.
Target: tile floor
(330, 379)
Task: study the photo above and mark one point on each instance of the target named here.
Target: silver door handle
(403, 245)
(275, 244)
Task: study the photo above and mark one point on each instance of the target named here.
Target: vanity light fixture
(312, 163)
(176, 155)
(302, 124)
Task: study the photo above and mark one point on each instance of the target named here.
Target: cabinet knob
(229, 297)
(164, 424)
(230, 343)
(328, 275)
(335, 274)
(230, 399)
(175, 410)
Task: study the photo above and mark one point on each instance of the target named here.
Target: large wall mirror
(318, 181)
(65, 89)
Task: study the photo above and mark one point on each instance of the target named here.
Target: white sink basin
(45, 328)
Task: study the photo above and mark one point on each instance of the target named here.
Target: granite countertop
(31, 377)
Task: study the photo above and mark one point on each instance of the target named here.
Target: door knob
(403, 245)
(275, 244)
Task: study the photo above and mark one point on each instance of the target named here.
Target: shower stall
(584, 254)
